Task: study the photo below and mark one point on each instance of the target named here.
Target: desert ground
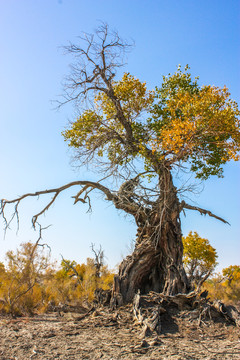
(104, 334)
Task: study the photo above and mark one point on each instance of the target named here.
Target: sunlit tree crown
(179, 122)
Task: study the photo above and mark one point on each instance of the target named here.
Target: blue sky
(204, 34)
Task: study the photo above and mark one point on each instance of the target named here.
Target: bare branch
(184, 205)
(37, 243)
(123, 200)
(98, 57)
(56, 192)
(203, 280)
(98, 259)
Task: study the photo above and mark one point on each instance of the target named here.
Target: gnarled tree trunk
(156, 262)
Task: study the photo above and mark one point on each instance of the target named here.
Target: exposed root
(229, 312)
(147, 314)
(156, 312)
(148, 310)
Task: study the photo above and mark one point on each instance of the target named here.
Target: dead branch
(98, 263)
(98, 58)
(56, 192)
(121, 202)
(37, 243)
(184, 205)
(203, 280)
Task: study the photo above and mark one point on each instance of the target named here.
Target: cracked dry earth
(114, 335)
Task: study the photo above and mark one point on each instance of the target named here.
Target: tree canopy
(180, 122)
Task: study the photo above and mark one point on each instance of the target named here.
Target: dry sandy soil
(114, 335)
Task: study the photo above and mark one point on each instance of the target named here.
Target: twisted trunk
(156, 262)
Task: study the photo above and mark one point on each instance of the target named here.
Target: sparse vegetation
(30, 281)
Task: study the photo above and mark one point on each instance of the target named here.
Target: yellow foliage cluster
(29, 282)
(225, 286)
(133, 95)
(208, 117)
(85, 130)
(199, 257)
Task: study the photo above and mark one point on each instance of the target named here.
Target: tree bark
(156, 262)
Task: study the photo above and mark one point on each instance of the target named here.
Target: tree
(140, 138)
(98, 263)
(199, 258)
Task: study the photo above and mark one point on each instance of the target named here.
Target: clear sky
(203, 34)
